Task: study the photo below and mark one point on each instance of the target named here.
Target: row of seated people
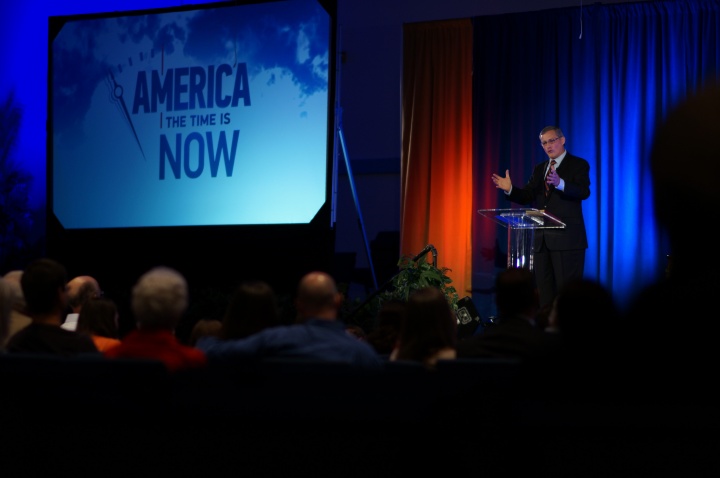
(571, 345)
(424, 329)
(248, 370)
(486, 391)
(303, 380)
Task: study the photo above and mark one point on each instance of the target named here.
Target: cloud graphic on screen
(69, 95)
(136, 28)
(283, 40)
(167, 37)
(261, 35)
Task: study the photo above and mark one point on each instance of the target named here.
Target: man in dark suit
(558, 186)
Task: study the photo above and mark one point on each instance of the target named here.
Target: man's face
(553, 145)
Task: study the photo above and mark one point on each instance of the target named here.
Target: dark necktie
(547, 186)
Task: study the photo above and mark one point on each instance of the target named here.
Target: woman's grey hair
(159, 298)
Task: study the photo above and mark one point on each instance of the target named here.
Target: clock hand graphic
(118, 93)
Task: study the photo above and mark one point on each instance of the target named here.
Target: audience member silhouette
(43, 284)
(80, 289)
(586, 317)
(18, 318)
(429, 330)
(99, 319)
(158, 301)
(584, 322)
(514, 334)
(670, 332)
(317, 333)
(384, 335)
(252, 308)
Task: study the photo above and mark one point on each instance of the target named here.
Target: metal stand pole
(355, 198)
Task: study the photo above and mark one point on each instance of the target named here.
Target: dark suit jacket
(565, 205)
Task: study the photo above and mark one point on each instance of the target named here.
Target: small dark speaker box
(468, 318)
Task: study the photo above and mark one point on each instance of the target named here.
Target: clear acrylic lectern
(521, 224)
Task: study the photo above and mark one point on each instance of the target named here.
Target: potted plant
(412, 275)
(415, 275)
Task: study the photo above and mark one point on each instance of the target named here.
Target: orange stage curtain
(436, 158)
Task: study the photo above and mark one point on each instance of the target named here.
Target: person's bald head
(81, 289)
(317, 297)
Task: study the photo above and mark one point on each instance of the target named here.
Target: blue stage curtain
(606, 75)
